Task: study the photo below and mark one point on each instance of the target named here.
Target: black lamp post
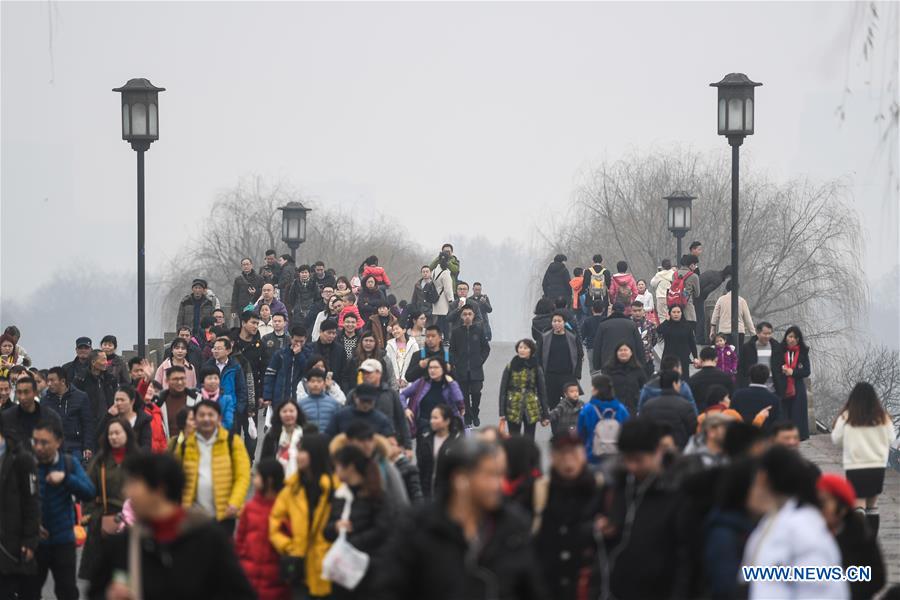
(140, 127)
(679, 217)
(735, 109)
(293, 226)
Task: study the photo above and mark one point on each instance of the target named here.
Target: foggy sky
(487, 113)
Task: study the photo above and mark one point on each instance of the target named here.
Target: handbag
(109, 524)
(291, 569)
(344, 564)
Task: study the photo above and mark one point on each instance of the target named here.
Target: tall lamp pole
(293, 226)
(140, 128)
(735, 108)
(679, 217)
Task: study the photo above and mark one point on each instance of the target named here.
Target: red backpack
(677, 295)
(159, 443)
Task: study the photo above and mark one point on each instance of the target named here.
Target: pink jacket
(351, 309)
(376, 272)
(626, 281)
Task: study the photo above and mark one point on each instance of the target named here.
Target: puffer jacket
(230, 470)
(671, 409)
(77, 417)
(624, 290)
(565, 416)
(284, 373)
(254, 551)
(555, 283)
(292, 533)
(378, 273)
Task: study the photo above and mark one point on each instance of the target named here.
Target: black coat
(76, 369)
(143, 431)
(414, 371)
(418, 301)
(673, 410)
(410, 474)
(335, 358)
(704, 379)
(426, 461)
(860, 547)
(100, 390)
(371, 520)
(749, 358)
(78, 421)
(611, 332)
(254, 352)
(564, 542)
(749, 401)
(21, 515)
(240, 291)
(19, 425)
(627, 381)
(429, 558)
(650, 562)
(300, 298)
(199, 563)
(680, 341)
(469, 350)
(540, 324)
(556, 282)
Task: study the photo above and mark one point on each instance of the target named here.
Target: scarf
(791, 358)
(286, 453)
(518, 363)
(166, 530)
(118, 455)
(208, 396)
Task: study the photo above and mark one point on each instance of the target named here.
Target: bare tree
(244, 222)
(799, 239)
(877, 365)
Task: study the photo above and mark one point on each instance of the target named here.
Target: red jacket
(159, 443)
(256, 554)
(378, 273)
(625, 281)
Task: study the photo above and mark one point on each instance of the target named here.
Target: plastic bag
(343, 563)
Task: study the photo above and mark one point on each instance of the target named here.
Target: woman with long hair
(418, 321)
(9, 357)
(299, 517)
(865, 431)
(368, 524)
(116, 443)
(369, 297)
(444, 427)
(422, 395)
(265, 320)
(130, 408)
(366, 348)
(523, 392)
(628, 377)
(282, 440)
(400, 352)
(795, 368)
(680, 340)
(342, 288)
(179, 358)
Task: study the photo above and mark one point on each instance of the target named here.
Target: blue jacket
(319, 409)
(588, 419)
(651, 390)
(57, 507)
(233, 383)
(77, 417)
(726, 533)
(284, 372)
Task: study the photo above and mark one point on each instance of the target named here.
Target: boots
(873, 520)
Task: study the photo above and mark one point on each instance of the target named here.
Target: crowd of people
(319, 438)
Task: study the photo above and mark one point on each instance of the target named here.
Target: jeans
(58, 559)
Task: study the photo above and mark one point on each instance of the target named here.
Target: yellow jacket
(304, 540)
(230, 474)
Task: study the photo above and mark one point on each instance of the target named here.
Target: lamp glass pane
(284, 227)
(748, 114)
(722, 114)
(139, 119)
(302, 235)
(293, 228)
(679, 217)
(671, 217)
(735, 116)
(687, 216)
(154, 125)
(126, 121)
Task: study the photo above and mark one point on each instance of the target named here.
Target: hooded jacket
(623, 289)
(556, 281)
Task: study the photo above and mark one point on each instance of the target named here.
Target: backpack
(623, 295)
(430, 293)
(597, 289)
(606, 433)
(677, 295)
(159, 443)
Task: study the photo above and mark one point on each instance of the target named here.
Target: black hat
(109, 338)
(199, 281)
(618, 307)
(366, 392)
(83, 341)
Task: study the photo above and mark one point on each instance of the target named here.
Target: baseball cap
(370, 365)
(83, 342)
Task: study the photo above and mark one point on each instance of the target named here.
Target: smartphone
(329, 375)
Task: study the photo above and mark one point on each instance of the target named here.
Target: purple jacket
(276, 305)
(412, 395)
(727, 359)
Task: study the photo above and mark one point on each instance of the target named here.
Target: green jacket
(452, 265)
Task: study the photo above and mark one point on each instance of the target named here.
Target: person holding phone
(247, 288)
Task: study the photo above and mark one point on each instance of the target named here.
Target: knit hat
(838, 487)
(200, 282)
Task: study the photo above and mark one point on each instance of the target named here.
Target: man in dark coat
(74, 408)
(287, 275)
(755, 351)
(327, 347)
(611, 332)
(99, 386)
(670, 408)
(430, 549)
(564, 541)
(750, 400)
(434, 348)
(184, 554)
(556, 279)
(470, 349)
(20, 420)
(81, 363)
(247, 288)
(302, 295)
(708, 376)
(20, 517)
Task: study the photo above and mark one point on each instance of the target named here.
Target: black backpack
(430, 293)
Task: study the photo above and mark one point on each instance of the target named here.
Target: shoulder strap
(67, 463)
(183, 444)
(103, 487)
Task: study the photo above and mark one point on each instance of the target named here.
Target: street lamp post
(140, 127)
(293, 226)
(735, 109)
(679, 218)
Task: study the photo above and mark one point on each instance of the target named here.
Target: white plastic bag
(343, 564)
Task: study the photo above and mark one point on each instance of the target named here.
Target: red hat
(838, 487)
